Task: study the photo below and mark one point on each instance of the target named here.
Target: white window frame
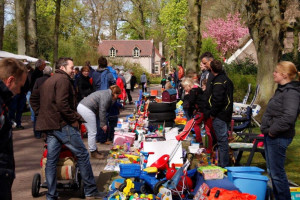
(136, 52)
(112, 52)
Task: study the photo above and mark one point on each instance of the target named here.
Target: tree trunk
(265, 19)
(193, 42)
(56, 30)
(20, 21)
(2, 3)
(31, 29)
(296, 40)
(296, 45)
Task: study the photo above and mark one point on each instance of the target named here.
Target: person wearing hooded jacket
(278, 125)
(102, 77)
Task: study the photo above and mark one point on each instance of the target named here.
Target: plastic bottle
(204, 138)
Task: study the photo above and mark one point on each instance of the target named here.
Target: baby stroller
(68, 175)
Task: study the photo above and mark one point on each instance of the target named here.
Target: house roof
(125, 47)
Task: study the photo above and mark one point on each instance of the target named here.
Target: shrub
(240, 83)
(134, 67)
(289, 57)
(210, 45)
(246, 66)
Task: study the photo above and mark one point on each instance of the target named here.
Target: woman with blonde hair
(97, 103)
(278, 125)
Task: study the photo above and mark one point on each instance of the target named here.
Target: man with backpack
(102, 77)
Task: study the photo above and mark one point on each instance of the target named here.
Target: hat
(121, 72)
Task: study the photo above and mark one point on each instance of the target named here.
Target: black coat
(84, 87)
(132, 82)
(282, 111)
(193, 101)
(220, 102)
(35, 75)
(7, 162)
(39, 82)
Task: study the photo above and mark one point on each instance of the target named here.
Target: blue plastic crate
(130, 170)
(246, 169)
(251, 183)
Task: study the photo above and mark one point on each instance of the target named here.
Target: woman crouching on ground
(278, 125)
(97, 103)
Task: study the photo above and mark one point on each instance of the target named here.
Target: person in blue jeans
(278, 125)
(54, 104)
(220, 109)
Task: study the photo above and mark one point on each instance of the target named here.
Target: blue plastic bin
(130, 170)
(251, 183)
(246, 169)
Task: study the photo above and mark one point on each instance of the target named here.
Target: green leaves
(173, 18)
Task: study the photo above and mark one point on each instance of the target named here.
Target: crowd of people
(63, 100)
(208, 97)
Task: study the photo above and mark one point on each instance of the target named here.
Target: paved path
(28, 152)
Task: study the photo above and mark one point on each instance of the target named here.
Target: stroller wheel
(122, 186)
(36, 183)
(145, 189)
(157, 187)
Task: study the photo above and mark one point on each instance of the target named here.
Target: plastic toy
(181, 183)
(129, 186)
(147, 177)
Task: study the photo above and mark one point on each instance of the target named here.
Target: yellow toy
(132, 157)
(129, 186)
(150, 196)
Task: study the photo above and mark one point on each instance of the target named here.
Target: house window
(136, 52)
(156, 68)
(113, 52)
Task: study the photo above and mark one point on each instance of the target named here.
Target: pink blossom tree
(226, 32)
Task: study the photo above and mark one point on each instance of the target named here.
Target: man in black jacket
(221, 106)
(37, 73)
(13, 75)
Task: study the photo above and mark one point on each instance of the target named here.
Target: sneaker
(19, 127)
(97, 195)
(97, 155)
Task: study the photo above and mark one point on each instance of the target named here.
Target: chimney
(160, 48)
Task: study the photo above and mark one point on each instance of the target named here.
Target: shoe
(108, 142)
(130, 103)
(97, 195)
(97, 155)
(20, 127)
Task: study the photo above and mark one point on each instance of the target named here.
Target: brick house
(142, 52)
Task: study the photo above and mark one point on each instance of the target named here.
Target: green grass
(27, 113)
(155, 80)
(292, 162)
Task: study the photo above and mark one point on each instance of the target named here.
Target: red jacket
(120, 83)
(180, 72)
